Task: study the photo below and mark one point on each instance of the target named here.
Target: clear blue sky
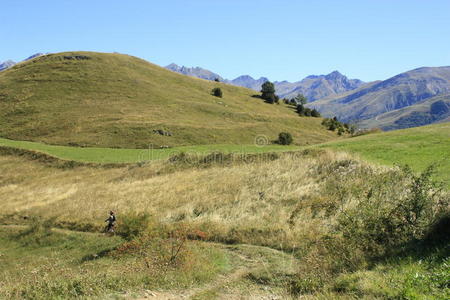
(280, 39)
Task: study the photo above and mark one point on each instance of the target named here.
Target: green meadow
(114, 155)
(418, 147)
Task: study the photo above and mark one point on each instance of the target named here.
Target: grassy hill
(417, 147)
(113, 100)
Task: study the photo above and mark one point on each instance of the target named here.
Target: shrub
(134, 225)
(380, 224)
(285, 138)
(334, 123)
(217, 92)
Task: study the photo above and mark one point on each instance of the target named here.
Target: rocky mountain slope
(374, 99)
(433, 110)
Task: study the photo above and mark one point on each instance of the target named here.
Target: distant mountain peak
(194, 72)
(334, 75)
(245, 77)
(35, 55)
(9, 63)
(6, 64)
(172, 66)
(313, 87)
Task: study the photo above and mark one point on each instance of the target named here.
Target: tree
(300, 109)
(217, 92)
(268, 92)
(285, 138)
(315, 113)
(307, 112)
(301, 99)
(216, 79)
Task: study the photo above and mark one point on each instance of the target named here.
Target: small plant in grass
(217, 92)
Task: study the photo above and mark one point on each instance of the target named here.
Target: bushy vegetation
(375, 222)
(285, 138)
(217, 92)
(334, 124)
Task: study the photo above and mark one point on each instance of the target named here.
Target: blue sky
(279, 39)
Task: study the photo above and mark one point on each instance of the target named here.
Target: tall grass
(338, 214)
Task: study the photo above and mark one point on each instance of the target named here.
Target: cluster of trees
(307, 112)
(334, 124)
(299, 102)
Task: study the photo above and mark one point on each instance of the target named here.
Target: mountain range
(414, 98)
(369, 103)
(314, 87)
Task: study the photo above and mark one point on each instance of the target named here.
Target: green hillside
(114, 100)
(417, 147)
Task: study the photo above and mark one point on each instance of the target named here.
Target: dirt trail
(248, 261)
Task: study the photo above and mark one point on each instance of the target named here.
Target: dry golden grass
(264, 202)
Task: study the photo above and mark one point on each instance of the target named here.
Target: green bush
(217, 92)
(381, 224)
(285, 138)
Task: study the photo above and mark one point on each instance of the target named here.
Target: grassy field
(62, 264)
(298, 203)
(119, 101)
(418, 147)
(113, 155)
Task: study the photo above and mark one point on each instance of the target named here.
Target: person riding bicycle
(111, 222)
